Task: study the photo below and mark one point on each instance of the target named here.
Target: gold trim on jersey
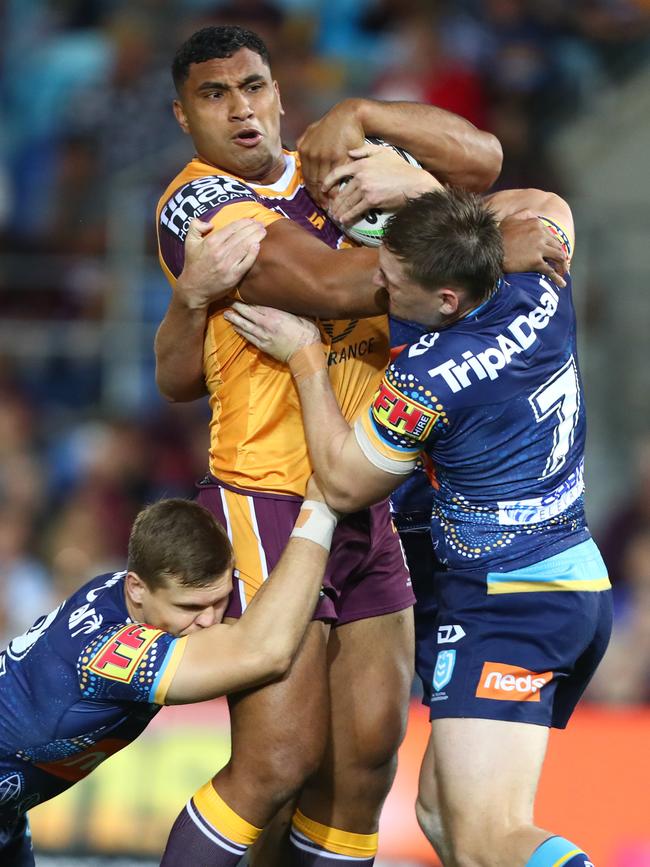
(173, 661)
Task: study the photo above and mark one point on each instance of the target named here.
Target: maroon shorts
(366, 574)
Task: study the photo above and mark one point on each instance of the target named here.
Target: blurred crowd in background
(85, 97)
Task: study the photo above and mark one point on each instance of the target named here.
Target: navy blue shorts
(16, 844)
(513, 656)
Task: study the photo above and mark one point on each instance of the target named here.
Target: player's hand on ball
(529, 245)
(275, 332)
(216, 260)
(327, 143)
(375, 177)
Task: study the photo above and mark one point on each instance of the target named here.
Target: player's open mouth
(248, 138)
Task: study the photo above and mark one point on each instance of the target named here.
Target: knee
(379, 735)
(286, 769)
(276, 775)
(430, 821)
(428, 816)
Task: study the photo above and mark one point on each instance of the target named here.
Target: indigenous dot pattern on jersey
(407, 409)
(121, 656)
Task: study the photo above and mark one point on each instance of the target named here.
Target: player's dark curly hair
(211, 42)
(178, 539)
(448, 238)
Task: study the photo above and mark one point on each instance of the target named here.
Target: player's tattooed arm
(215, 261)
(447, 145)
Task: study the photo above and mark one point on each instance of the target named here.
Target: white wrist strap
(316, 522)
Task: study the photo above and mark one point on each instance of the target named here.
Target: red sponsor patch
(401, 414)
(511, 683)
(79, 765)
(119, 656)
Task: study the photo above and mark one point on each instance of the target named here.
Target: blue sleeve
(129, 662)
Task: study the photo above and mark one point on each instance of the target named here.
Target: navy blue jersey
(495, 400)
(78, 686)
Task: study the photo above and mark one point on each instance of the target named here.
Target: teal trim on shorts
(578, 568)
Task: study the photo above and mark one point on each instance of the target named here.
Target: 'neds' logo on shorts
(510, 683)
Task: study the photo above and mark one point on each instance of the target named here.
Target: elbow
(542, 202)
(281, 665)
(489, 169)
(277, 661)
(495, 160)
(550, 203)
(166, 394)
(166, 390)
(175, 392)
(341, 498)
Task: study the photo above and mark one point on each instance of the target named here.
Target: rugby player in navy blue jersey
(492, 394)
(86, 679)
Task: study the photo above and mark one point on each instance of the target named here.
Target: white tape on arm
(316, 522)
(403, 467)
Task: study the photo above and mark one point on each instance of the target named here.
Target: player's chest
(356, 341)
(301, 209)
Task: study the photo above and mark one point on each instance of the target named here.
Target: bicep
(363, 470)
(215, 661)
(129, 662)
(364, 480)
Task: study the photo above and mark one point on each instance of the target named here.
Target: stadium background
(87, 142)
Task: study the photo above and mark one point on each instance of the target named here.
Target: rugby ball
(369, 229)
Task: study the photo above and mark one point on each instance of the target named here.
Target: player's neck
(473, 309)
(262, 178)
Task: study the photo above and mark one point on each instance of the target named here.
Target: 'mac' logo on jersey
(401, 414)
(119, 655)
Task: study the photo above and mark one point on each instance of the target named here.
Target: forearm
(505, 203)
(326, 431)
(179, 352)
(314, 280)
(275, 621)
(261, 645)
(447, 145)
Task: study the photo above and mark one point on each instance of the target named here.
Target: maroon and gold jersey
(257, 440)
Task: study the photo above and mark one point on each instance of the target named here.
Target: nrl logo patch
(444, 669)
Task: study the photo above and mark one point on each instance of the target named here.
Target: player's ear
(449, 301)
(135, 587)
(277, 93)
(179, 114)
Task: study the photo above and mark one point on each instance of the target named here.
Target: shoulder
(200, 191)
(198, 196)
(406, 402)
(96, 606)
(127, 661)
